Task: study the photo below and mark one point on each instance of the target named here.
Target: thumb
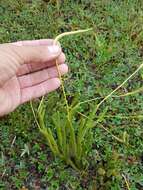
(28, 54)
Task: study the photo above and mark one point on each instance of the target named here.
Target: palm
(22, 80)
(12, 94)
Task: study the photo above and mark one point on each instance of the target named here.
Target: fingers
(39, 90)
(41, 76)
(33, 67)
(46, 42)
(36, 54)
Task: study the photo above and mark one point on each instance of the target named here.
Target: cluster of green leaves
(70, 134)
(71, 150)
(98, 66)
(69, 145)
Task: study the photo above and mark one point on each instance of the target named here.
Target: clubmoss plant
(68, 142)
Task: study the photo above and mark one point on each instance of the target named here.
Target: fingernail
(54, 49)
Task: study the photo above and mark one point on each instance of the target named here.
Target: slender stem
(117, 96)
(130, 93)
(59, 74)
(126, 181)
(72, 133)
(120, 140)
(108, 96)
(58, 5)
(63, 88)
(116, 116)
(115, 137)
(34, 115)
(70, 33)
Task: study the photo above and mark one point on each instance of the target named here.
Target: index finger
(41, 42)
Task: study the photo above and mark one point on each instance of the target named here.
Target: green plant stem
(130, 93)
(58, 5)
(47, 134)
(69, 124)
(125, 81)
(35, 118)
(62, 85)
(126, 181)
(115, 137)
(117, 96)
(63, 89)
(109, 116)
(59, 74)
(116, 116)
(70, 33)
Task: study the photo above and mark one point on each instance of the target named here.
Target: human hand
(28, 71)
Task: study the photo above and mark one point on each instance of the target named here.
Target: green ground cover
(98, 62)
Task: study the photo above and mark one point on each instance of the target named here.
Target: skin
(28, 71)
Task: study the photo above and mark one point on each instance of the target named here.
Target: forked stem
(109, 95)
(59, 74)
(72, 133)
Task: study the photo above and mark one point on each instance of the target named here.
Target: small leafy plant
(67, 141)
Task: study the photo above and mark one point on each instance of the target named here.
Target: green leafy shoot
(67, 144)
(67, 141)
